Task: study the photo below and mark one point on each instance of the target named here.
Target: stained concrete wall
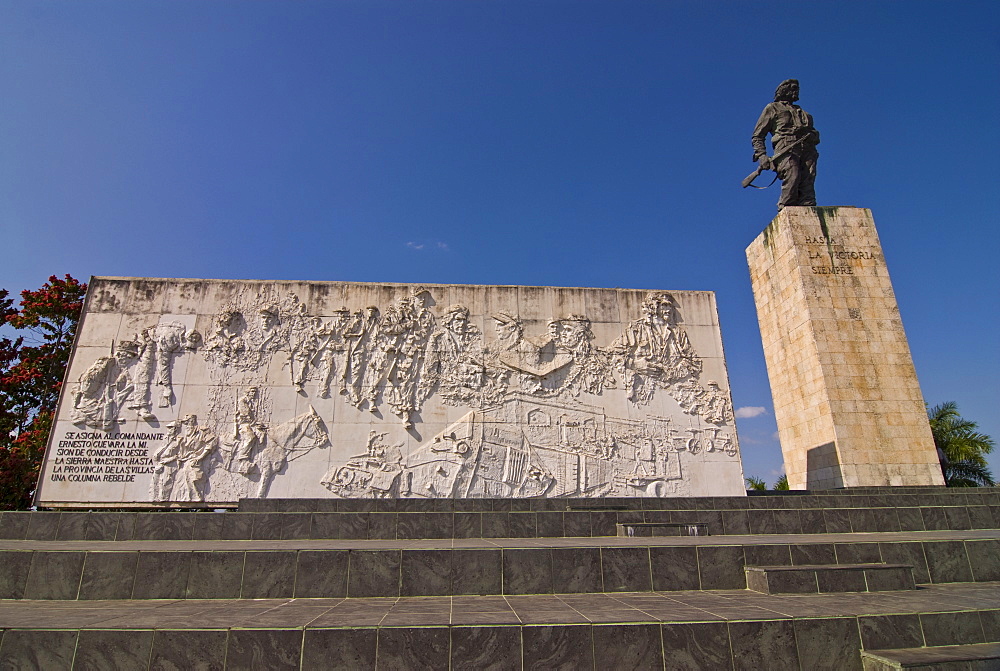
(199, 392)
(846, 397)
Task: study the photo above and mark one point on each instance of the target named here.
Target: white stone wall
(200, 392)
(846, 398)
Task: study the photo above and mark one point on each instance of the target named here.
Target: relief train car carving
(524, 449)
(286, 389)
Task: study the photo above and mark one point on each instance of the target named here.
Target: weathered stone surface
(202, 392)
(846, 398)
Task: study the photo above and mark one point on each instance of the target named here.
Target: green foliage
(756, 484)
(961, 447)
(31, 373)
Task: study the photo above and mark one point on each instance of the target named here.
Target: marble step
(972, 657)
(821, 578)
(93, 570)
(691, 630)
(889, 497)
(160, 525)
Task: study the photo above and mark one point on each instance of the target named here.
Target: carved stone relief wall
(202, 391)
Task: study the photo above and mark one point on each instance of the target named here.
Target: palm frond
(961, 447)
(967, 474)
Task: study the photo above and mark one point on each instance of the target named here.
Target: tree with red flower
(32, 366)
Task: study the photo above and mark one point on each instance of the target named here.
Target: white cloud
(750, 411)
(427, 245)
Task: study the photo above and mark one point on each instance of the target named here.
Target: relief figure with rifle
(794, 139)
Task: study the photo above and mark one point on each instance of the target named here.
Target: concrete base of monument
(846, 398)
(388, 584)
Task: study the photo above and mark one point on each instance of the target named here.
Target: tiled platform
(791, 513)
(690, 630)
(90, 570)
(970, 657)
(495, 584)
(626, 607)
(233, 525)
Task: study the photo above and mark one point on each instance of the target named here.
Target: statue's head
(127, 351)
(575, 330)
(229, 320)
(660, 304)
(420, 297)
(508, 326)
(456, 318)
(269, 316)
(341, 316)
(192, 339)
(787, 90)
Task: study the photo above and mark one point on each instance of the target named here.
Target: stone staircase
(841, 580)
(972, 657)
(847, 511)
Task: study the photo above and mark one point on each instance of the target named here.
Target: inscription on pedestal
(846, 398)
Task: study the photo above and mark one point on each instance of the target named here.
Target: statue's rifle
(748, 180)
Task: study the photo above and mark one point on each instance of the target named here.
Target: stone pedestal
(846, 398)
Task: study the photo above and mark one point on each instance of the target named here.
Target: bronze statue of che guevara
(794, 139)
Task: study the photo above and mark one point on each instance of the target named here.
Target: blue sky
(584, 143)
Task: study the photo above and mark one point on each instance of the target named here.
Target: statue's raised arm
(794, 139)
